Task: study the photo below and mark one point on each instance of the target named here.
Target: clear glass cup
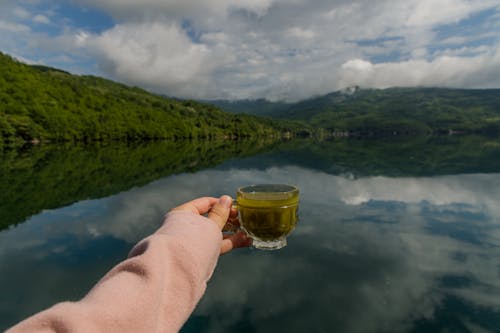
(268, 213)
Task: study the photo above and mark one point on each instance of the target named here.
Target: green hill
(409, 110)
(258, 107)
(397, 110)
(47, 104)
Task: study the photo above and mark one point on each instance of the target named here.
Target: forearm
(156, 289)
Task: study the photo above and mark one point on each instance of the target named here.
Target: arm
(158, 286)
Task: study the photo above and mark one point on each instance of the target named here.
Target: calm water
(394, 236)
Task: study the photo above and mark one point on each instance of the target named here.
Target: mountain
(258, 107)
(39, 103)
(398, 110)
(404, 110)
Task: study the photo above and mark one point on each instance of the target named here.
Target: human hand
(219, 211)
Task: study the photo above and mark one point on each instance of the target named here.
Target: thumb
(220, 211)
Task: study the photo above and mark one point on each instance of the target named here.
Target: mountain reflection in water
(371, 252)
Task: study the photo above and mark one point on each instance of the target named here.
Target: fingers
(221, 210)
(198, 206)
(239, 239)
(233, 215)
(233, 221)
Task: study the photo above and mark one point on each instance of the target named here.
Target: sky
(248, 49)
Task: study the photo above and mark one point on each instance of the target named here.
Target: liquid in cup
(268, 213)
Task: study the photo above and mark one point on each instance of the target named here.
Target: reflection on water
(370, 253)
(54, 176)
(398, 260)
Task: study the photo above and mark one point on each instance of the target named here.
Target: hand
(219, 211)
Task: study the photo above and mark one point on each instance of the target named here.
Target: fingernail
(226, 201)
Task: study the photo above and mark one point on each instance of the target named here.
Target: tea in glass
(268, 213)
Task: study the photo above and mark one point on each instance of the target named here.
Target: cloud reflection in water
(369, 254)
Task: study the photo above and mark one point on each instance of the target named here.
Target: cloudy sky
(275, 49)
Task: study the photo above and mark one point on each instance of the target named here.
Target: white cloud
(479, 71)
(13, 27)
(41, 19)
(81, 38)
(157, 55)
(429, 12)
(281, 49)
(357, 65)
(300, 33)
(263, 56)
(21, 13)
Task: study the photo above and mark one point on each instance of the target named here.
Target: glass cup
(268, 213)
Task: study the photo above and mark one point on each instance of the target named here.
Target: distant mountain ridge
(396, 110)
(258, 107)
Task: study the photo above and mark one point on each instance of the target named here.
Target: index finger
(198, 206)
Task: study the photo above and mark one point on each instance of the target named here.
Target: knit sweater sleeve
(154, 290)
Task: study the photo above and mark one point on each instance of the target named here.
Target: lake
(394, 235)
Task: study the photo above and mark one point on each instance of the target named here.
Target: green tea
(268, 212)
(270, 223)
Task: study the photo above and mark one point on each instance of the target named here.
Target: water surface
(394, 236)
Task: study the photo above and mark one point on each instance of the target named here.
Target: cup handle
(232, 225)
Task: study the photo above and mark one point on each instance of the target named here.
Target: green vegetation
(258, 107)
(413, 110)
(39, 103)
(46, 104)
(394, 111)
(51, 176)
(400, 156)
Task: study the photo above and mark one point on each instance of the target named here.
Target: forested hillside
(46, 104)
(42, 103)
(258, 107)
(395, 110)
(407, 110)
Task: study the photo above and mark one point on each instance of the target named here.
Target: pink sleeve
(154, 290)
